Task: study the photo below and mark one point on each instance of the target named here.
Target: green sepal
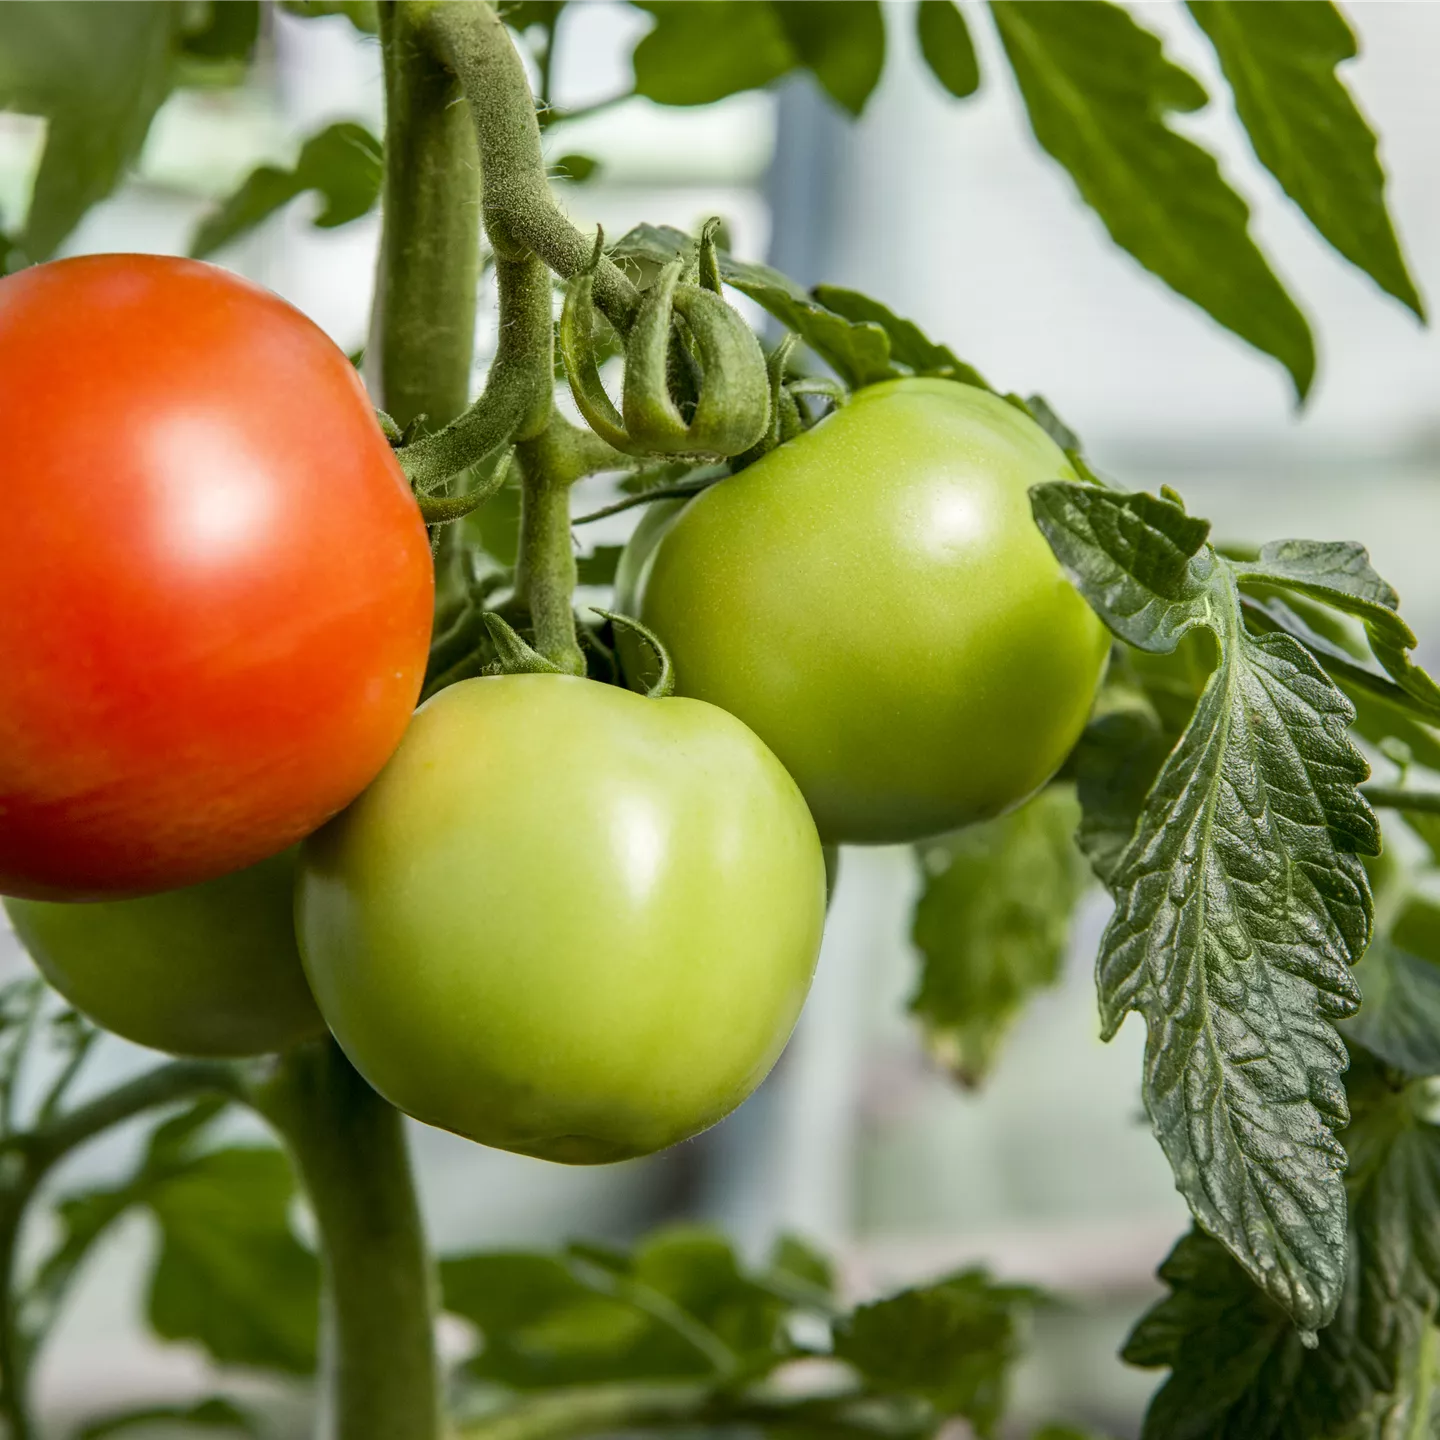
(732, 409)
(576, 342)
(514, 656)
(663, 686)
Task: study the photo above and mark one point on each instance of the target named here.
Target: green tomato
(875, 601)
(566, 920)
(208, 970)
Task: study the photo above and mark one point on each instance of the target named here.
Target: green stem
(600, 1409)
(1397, 797)
(423, 328)
(545, 572)
(351, 1151)
(1421, 1400)
(520, 213)
(14, 1351)
(515, 403)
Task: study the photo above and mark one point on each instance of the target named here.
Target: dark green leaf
(946, 45)
(1240, 1371)
(342, 163)
(842, 42)
(805, 1272)
(360, 13)
(1399, 979)
(991, 926)
(230, 31)
(1039, 410)
(1339, 574)
(1240, 901)
(598, 567)
(1098, 89)
(216, 1413)
(97, 73)
(952, 1342)
(909, 345)
(703, 50)
(1281, 63)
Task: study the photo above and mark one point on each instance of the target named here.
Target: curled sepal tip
(664, 685)
(445, 509)
(513, 655)
(732, 410)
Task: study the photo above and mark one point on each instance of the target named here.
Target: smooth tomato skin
(215, 586)
(210, 970)
(567, 920)
(875, 601)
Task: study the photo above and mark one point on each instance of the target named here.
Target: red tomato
(215, 587)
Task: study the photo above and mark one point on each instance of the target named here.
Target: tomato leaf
(598, 567)
(701, 51)
(230, 1273)
(1098, 88)
(229, 33)
(98, 74)
(1240, 901)
(952, 1342)
(342, 163)
(216, 1413)
(841, 42)
(909, 345)
(1237, 1365)
(991, 926)
(1307, 131)
(1339, 574)
(362, 14)
(946, 46)
(1399, 977)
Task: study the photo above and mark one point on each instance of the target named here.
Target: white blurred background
(949, 213)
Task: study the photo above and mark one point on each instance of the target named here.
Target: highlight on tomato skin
(215, 585)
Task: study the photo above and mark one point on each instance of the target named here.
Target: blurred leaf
(1281, 63)
(577, 169)
(703, 50)
(1240, 900)
(521, 15)
(992, 924)
(909, 345)
(98, 74)
(947, 47)
(342, 162)
(362, 14)
(1399, 979)
(1098, 89)
(952, 1342)
(229, 1273)
(1240, 1369)
(230, 31)
(842, 42)
(598, 567)
(217, 1413)
(794, 1263)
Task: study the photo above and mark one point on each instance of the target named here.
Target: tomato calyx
(513, 655)
(696, 382)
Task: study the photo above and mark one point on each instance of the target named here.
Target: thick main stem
(422, 340)
(350, 1148)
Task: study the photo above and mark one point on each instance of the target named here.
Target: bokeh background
(949, 213)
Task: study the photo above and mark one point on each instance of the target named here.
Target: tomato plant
(214, 585)
(209, 970)
(577, 922)
(566, 920)
(875, 601)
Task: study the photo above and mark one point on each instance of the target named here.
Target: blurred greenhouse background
(948, 213)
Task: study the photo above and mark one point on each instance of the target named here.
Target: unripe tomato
(215, 587)
(567, 920)
(875, 601)
(208, 970)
